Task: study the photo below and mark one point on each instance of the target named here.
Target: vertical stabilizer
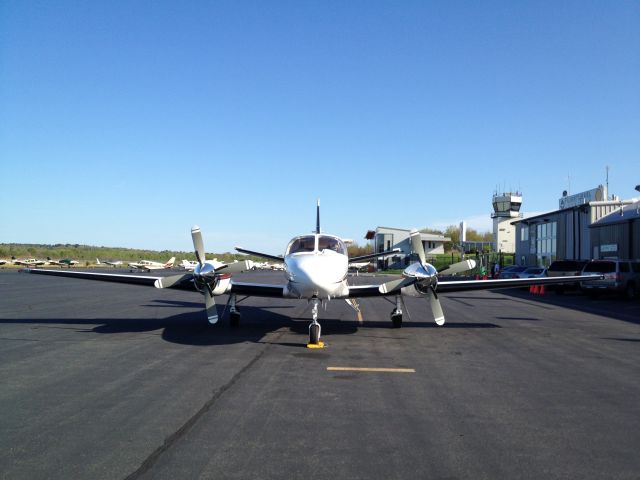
(318, 217)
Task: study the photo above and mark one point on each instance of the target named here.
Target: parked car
(533, 272)
(511, 272)
(566, 268)
(620, 276)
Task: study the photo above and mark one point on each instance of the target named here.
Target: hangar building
(565, 233)
(617, 235)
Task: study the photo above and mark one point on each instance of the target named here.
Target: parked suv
(566, 268)
(621, 276)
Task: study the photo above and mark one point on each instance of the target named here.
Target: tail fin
(318, 217)
(98, 261)
(170, 263)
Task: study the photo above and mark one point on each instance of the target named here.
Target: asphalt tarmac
(111, 381)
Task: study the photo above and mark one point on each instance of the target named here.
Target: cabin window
(331, 243)
(302, 244)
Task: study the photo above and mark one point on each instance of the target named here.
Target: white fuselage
(316, 267)
(147, 265)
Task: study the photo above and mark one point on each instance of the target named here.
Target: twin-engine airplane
(316, 268)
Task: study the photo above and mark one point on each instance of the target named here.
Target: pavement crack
(172, 439)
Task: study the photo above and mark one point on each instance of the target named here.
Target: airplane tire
(234, 319)
(314, 334)
(396, 320)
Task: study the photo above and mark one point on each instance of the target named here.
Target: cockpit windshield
(307, 243)
(302, 244)
(331, 243)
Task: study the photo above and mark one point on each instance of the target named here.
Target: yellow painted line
(364, 369)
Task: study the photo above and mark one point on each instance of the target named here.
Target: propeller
(417, 246)
(198, 244)
(427, 278)
(422, 275)
(458, 267)
(236, 267)
(204, 275)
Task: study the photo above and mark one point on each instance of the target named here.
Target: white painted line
(370, 369)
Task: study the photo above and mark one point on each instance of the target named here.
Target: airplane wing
(277, 258)
(374, 255)
(148, 281)
(394, 287)
(184, 283)
(445, 286)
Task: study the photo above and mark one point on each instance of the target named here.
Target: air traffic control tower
(506, 208)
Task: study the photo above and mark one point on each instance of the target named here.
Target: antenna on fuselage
(318, 217)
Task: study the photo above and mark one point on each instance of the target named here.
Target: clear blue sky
(122, 123)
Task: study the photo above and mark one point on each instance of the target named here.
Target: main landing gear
(314, 327)
(396, 313)
(234, 313)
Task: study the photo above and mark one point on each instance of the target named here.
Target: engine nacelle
(426, 277)
(205, 278)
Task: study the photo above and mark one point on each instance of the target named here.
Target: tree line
(89, 253)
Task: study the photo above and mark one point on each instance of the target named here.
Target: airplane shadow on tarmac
(190, 328)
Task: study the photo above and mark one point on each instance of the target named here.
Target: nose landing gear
(314, 327)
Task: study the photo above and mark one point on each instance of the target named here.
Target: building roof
(430, 237)
(553, 212)
(626, 213)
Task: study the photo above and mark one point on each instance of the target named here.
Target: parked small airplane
(2, 262)
(29, 262)
(316, 271)
(115, 263)
(189, 265)
(148, 265)
(65, 262)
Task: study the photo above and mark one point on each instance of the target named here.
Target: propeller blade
(394, 285)
(458, 267)
(210, 305)
(198, 244)
(236, 267)
(417, 246)
(170, 281)
(436, 308)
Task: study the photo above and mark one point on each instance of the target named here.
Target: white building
(388, 238)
